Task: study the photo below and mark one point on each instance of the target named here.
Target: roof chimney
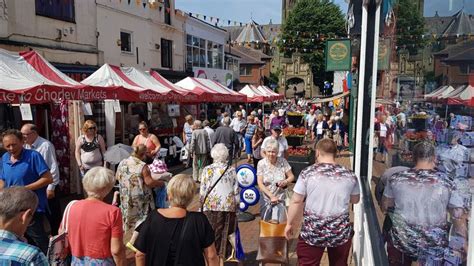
(436, 14)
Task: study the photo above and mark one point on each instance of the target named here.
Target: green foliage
(307, 24)
(410, 26)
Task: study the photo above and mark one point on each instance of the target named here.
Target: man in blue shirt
(17, 207)
(22, 167)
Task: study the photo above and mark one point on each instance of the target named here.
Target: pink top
(92, 224)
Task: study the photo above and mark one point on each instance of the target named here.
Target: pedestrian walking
(239, 124)
(136, 196)
(420, 225)
(175, 236)
(209, 130)
(90, 148)
(249, 132)
(219, 202)
(95, 232)
(257, 141)
(187, 134)
(323, 192)
(319, 128)
(22, 167)
(226, 135)
(151, 142)
(17, 208)
(34, 142)
(199, 149)
(282, 142)
(273, 176)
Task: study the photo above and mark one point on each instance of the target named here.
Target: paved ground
(250, 230)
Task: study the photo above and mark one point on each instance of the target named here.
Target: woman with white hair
(273, 176)
(94, 227)
(136, 196)
(220, 201)
(175, 236)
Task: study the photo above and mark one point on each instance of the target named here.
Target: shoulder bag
(181, 239)
(59, 251)
(213, 186)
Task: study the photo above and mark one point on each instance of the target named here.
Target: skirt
(224, 224)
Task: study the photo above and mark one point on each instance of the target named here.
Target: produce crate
(294, 141)
(298, 163)
(295, 120)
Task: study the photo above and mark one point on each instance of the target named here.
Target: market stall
(209, 92)
(254, 95)
(269, 93)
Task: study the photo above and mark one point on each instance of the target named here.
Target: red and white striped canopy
(465, 97)
(188, 95)
(209, 91)
(131, 84)
(254, 95)
(271, 93)
(28, 78)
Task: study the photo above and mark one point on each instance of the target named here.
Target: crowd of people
(416, 200)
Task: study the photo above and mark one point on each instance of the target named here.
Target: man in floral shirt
(329, 189)
(420, 199)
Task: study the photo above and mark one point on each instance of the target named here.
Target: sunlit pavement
(249, 231)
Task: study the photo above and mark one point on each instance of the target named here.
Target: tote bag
(273, 246)
(59, 252)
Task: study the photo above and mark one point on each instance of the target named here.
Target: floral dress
(272, 174)
(136, 199)
(223, 196)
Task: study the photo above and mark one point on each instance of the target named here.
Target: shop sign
(224, 77)
(338, 55)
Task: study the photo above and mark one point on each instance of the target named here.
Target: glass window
(126, 41)
(168, 11)
(189, 56)
(195, 41)
(202, 58)
(61, 10)
(195, 57)
(202, 43)
(210, 61)
(166, 53)
(189, 39)
(245, 70)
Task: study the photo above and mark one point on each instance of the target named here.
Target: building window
(245, 70)
(466, 69)
(126, 41)
(60, 10)
(166, 53)
(196, 52)
(167, 12)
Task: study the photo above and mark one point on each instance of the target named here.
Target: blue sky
(264, 10)
(239, 10)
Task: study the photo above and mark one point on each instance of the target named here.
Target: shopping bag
(273, 246)
(59, 252)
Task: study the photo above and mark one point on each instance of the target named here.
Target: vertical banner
(338, 55)
(384, 54)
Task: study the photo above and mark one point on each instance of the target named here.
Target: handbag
(181, 239)
(59, 252)
(184, 154)
(273, 246)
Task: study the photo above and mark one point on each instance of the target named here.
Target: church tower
(286, 7)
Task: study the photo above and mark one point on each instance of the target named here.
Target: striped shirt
(13, 251)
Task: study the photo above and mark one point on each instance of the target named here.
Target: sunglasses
(92, 128)
(142, 129)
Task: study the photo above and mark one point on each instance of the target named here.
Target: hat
(276, 127)
(281, 112)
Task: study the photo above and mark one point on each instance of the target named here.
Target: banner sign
(384, 54)
(338, 55)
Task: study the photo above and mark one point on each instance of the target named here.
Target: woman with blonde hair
(94, 227)
(148, 139)
(90, 148)
(136, 197)
(174, 233)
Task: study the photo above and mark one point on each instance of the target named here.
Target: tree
(410, 26)
(307, 27)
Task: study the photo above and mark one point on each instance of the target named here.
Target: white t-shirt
(383, 130)
(319, 128)
(310, 120)
(282, 147)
